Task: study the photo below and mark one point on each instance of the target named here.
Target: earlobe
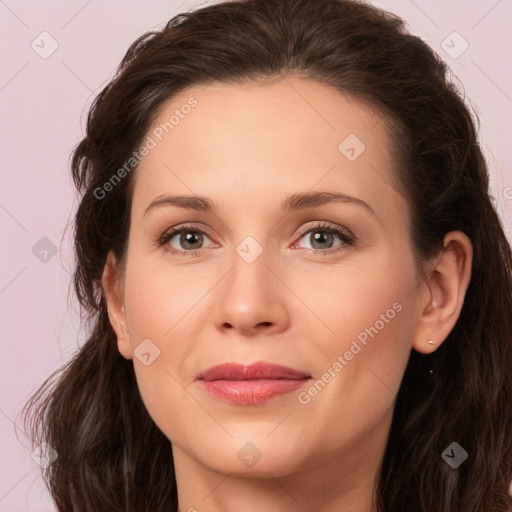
(112, 285)
(444, 290)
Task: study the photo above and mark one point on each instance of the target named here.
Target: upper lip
(253, 371)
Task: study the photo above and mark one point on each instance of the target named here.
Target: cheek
(364, 302)
(355, 384)
(162, 306)
(361, 357)
(158, 298)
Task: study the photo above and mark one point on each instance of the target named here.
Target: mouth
(251, 384)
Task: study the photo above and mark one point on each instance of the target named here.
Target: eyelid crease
(345, 235)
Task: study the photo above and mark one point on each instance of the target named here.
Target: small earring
(430, 342)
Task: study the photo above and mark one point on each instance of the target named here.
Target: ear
(113, 288)
(443, 292)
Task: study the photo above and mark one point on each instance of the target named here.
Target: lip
(251, 384)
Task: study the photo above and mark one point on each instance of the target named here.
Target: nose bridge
(250, 275)
(250, 296)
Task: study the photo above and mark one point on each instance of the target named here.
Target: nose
(252, 299)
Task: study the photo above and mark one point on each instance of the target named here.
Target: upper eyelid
(320, 224)
(198, 227)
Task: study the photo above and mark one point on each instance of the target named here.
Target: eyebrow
(294, 202)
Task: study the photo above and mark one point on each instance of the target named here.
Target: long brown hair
(111, 455)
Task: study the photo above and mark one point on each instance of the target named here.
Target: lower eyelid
(166, 238)
(345, 239)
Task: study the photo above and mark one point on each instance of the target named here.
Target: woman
(299, 289)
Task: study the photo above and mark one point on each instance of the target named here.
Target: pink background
(43, 106)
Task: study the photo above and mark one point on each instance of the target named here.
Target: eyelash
(345, 236)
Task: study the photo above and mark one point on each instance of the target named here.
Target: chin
(254, 454)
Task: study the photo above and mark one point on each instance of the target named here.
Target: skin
(248, 148)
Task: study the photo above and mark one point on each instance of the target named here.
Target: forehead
(265, 140)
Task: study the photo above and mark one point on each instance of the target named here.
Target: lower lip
(251, 392)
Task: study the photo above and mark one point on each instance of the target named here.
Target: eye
(183, 240)
(188, 240)
(322, 238)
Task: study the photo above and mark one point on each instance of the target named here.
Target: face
(298, 254)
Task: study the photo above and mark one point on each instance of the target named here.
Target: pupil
(191, 237)
(320, 237)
